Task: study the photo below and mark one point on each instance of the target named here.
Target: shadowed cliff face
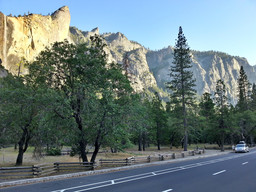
(208, 68)
(117, 46)
(28, 35)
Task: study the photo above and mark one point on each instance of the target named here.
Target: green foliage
(73, 97)
(88, 92)
(139, 121)
(244, 89)
(252, 103)
(53, 151)
(21, 107)
(160, 120)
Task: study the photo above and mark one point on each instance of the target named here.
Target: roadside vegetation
(73, 97)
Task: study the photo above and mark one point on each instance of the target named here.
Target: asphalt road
(226, 173)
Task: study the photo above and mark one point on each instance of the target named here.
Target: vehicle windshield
(240, 145)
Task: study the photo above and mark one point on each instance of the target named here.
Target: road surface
(231, 172)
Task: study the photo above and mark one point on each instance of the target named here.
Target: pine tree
(243, 91)
(253, 98)
(207, 117)
(159, 118)
(182, 81)
(221, 101)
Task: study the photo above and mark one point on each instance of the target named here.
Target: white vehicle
(241, 148)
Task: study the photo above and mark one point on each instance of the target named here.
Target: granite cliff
(117, 47)
(25, 36)
(208, 67)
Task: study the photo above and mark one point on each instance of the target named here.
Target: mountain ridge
(148, 69)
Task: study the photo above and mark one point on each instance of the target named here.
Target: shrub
(53, 151)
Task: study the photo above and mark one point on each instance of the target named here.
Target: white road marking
(244, 163)
(148, 174)
(167, 190)
(219, 172)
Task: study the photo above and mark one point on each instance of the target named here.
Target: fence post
(193, 153)
(92, 166)
(173, 156)
(132, 160)
(203, 150)
(127, 161)
(182, 154)
(56, 165)
(36, 170)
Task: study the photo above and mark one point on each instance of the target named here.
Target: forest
(72, 97)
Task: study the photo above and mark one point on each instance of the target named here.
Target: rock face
(208, 68)
(117, 46)
(150, 69)
(28, 35)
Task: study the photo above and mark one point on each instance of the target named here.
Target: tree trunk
(82, 147)
(113, 150)
(184, 121)
(158, 136)
(252, 140)
(19, 159)
(99, 138)
(82, 142)
(222, 134)
(140, 142)
(186, 140)
(96, 150)
(23, 145)
(158, 146)
(222, 143)
(171, 145)
(144, 142)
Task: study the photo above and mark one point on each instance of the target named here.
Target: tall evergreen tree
(243, 91)
(182, 81)
(222, 106)
(207, 114)
(159, 117)
(253, 98)
(206, 106)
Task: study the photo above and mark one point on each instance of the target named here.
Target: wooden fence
(43, 169)
(73, 166)
(61, 167)
(115, 162)
(146, 159)
(14, 172)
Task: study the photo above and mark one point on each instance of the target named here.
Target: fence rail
(83, 166)
(53, 168)
(147, 159)
(44, 169)
(16, 171)
(115, 162)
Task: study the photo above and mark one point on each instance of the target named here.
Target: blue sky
(220, 25)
